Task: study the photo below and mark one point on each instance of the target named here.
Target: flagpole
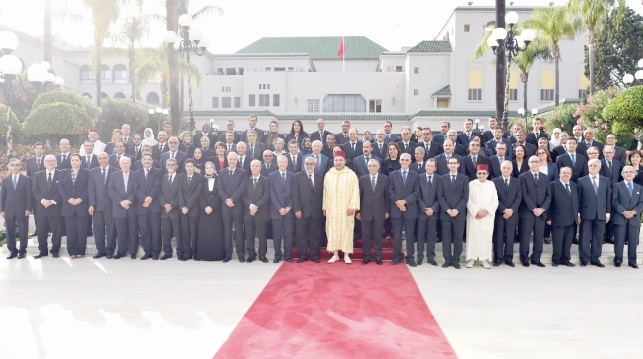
(344, 56)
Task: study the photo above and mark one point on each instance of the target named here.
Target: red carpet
(336, 310)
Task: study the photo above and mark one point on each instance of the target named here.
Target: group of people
(219, 193)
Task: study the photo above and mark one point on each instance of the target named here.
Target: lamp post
(189, 40)
(10, 68)
(157, 115)
(507, 41)
(525, 115)
(628, 79)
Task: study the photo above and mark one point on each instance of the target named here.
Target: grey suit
(374, 206)
(125, 219)
(427, 225)
(104, 231)
(170, 225)
(48, 218)
(594, 206)
(281, 197)
(259, 195)
(307, 199)
(398, 190)
(626, 228)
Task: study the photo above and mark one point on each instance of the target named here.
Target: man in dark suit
(535, 202)
(205, 132)
(627, 203)
(100, 207)
(119, 148)
(521, 138)
(588, 141)
(418, 164)
(465, 137)
(281, 214)
(231, 188)
(489, 134)
(161, 147)
(63, 158)
(269, 164)
(443, 158)
(352, 148)
(295, 159)
(252, 126)
(89, 160)
(307, 194)
(34, 165)
(560, 149)
(443, 135)
(594, 198)
(620, 153)
(129, 140)
(563, 216)
(148, 186)
(509, 199)
(342, 137)
(169, 202)
(256, 211)
(495, 161)
(429, 210)
(453, 194)
(47, 206)
(137, 149)
(254, 147)
(389, 136)
(537, 132)
(405, 144)
(475, 158)
(190, 186)
(380, 145)
(402, 190)
(173, 152)
(431, 147)
(490, 146)
(573, 160)
(321, 161)
(16, 201)
(321, 133)
(327, 149)
(360, 166)
(458, 148)
(610, 166)
(374, 210)
(122, 190)
(244, 159)
(230, 142)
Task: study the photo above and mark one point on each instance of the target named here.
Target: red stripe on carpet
(336, 310)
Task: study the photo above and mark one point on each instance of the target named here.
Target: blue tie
(15, 183)
(404, 178)
(574, 159)
(629, 187)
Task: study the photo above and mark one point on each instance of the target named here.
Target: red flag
(341, 51)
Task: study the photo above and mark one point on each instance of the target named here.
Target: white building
(290, 78)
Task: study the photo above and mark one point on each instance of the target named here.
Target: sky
(393, 25)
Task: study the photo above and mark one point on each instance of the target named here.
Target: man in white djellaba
(481, 209)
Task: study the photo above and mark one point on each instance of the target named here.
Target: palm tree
(134, 30)
(552, 25)
(47, 41)
(593, 13)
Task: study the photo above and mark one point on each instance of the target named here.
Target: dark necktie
(89, 161)
(189, 180)
(252, 151)
(373, 183)
(15, 183)
(430, 180)
(104, 176)
(507, 182)
(404, 178)
(49, 181)
(37, 164)
(169, 179)
(629, 188)
(567, 187)
(146, 172)
(254, 182)
(229, 148)
(312, 184)
(118, 161)
(283, 176)
(452, 180)
(536, 177)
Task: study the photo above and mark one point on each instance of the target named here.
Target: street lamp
(508, 42)
(628, 79)
(189, 40)
(525, 115)
(10, 68)
(158, 113)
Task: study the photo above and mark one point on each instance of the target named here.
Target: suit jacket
(258, 195)
(518, 170)
(211, 136)
(460, 150)
(530, 150)
(613, 173)
(490, 147)
(136, 153)
(418, 167)
(533, 139)
(60, 164)
(508, 197)
(464, 140)
(32, 166)
(392, 137)
(432, 149)
(78, 189)
(306, 198)
(260, 135)
(620, 154)
(428, 196)
(98, 189)
(180, 158)
(359, 165)
(374, 205)
(42, 190)
(232, 187)
(245, 164)
(315, 135)
(280, 194)
(341, 138)
(350, 153)
(557, 151)
(169, 194)
(258, 151)
(291, 167)
(93, 162)
(323, 163)
(453, 196)
(442, 163)
(189, 192)
(470, 168)
(376, 150)
(158, 150)
(209, 198)
(217, 165)
(579, 170)
(273, 167)
(232, 146)
(582, 148)
(534, 194)
(138, 165)
(113, 160)
(622, 201)
(16, 202)
(410, 148)
(118, 193)
(563, 210)
(592, 205)
(494, 166)
(150, 187)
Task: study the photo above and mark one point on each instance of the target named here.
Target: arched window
(103, 95)
(344, 103)
(121, 75)
(119, 95)
(87, 95)
(105, 74)
(547, 86)
(152, 98)
(474, 83)
(86, 75)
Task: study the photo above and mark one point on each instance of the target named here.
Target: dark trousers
(282, 229)
(561, 239)
(104, 230)
(44, 225)
(409, 229)
(256, 228)
(427, 234)
(308, 233)
(76, 234)
(452, 234)
(187, 240)
(170, 228)
(149, 227)
(126, 234)
(503, 240)
(22, 224)
(525, 227)
(233, 221)
(621, 233)
(591, 236)
(372, 232)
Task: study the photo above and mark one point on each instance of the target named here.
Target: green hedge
(69, 97)
(56, 120)
(626, 110)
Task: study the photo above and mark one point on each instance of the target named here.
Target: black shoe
(419, 261)
(525, 264)
(316, 260)
(12, 256)
(276, 260)
(133, 256)
(511, 264)
(118, 256)
(395, 262)
(411, 262)
(145, 257)
(496, 264)
(446, 265)
(265, 260)
(569, 264)
(289, 260)
(598, 264)
(456, 265)
(55, 255)
(226, 260)
(432, 262)
(366, 260)
(99, 255)
(301, 260)
(109, 256)
(574, 241)
(183, 259)
(539, 264)
(554, 264)
(242, 260)
(583, 264)
(250, 259)
(617, 265)
(379, 262)
(39, 256)
(34, 234)
(634, 265)
(155, 258)
(166, 256)
(547, 240)
(22, 255)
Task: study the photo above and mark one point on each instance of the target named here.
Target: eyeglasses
(534, 161)
(309, 164)
(474, 145)
(481, 173)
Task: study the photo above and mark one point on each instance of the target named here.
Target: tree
(626, 111)
(593, 13)
(618, 48)
(501, 64)
(134, 30)
(554, 24)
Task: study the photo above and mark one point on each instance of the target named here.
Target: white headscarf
(149, 140)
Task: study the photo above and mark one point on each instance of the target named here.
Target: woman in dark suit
(392, 160)
(199, 160)
(272, 136)
(116, 136)
(73, 185)
(546, 165)
(297, 132)
(520, 162)
(210, 244)
(636, 157)
(220, 159)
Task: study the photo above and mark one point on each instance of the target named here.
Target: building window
(230, 71)
(313, 105)
(416, 70)
(546, 95)
(237, 102)
(291, 69)
(582, 93)
(344, 103)
(513, 94)
(474, 82)
(220, 71)
(119, 95)
(226, 102)
(443, 103)
(105, 75)
(264, 100)
(416, 92)
(514, 78)
(474, 95)
(275, 100)
(399, 68)
(280, 69)
(547, 86)
(152, 98)
(467, 27)
(268, 69)
(374, 105)
(241, 70)
(251, 100)
(215, 102)
(121, 75)
(86, 75)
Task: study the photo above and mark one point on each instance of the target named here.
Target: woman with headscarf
(148, 138)
(210, 245)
